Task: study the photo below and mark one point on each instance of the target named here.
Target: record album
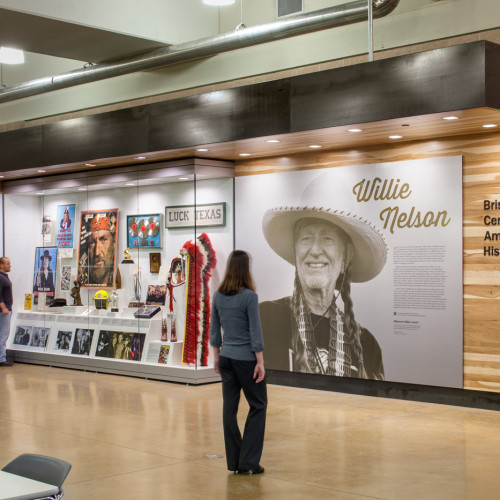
(144, 231)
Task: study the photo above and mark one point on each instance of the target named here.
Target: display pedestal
(50, 352)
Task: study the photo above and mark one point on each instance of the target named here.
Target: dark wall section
(20, 149)
(221, 116)
(103, 135)
(452, 78)
(417, 84)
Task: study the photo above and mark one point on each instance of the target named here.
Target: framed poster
(65, 222)
(97, 249)
(143, 231)
(45, 271)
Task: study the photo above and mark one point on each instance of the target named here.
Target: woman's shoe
(248, 472)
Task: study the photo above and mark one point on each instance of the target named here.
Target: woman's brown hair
(237, 274)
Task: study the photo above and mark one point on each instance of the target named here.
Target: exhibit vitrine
(114, 270)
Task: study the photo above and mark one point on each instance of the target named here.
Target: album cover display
(120, 345)
(147, 311)
(82, 341)
(63, 341)
(22, 335)
(39, 336)
(143, 231)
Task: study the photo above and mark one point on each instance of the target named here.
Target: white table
(14, 487)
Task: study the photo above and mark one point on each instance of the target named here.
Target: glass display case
(114, 270)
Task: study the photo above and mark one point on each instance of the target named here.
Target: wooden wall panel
(481, 180)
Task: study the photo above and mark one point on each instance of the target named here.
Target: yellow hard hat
(101, 294)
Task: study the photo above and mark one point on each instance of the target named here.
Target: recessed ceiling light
(355, 130)
(490, 125)
(395, 137)
(140, 157)
(315, 146)
(38, 193)
(203, 149)
(129, 184)
(272, 141)
(41, 171)
(82, 189)
(183, 178)
(450, 117)
(244, 154)
(90, 164)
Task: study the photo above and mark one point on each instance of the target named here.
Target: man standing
(5, 308)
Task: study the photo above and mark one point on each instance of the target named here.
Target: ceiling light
(2, 176)
(244, 154)
(129, 184)
(354, 130)
(140, 157)
(272, 141)
(395, 137)
(11, 56)
(82, 189)
(218, 3)
(490, 125)
(203, 149)
(39, 193)
(41, 171)
(315, 146)
(90, 164)
(450, 117)
(183, 178)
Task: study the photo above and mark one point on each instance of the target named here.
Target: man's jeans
(4, 334)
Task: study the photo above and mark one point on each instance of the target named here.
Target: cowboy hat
(328, 198)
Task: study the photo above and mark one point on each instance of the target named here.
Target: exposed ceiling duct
(332, 17)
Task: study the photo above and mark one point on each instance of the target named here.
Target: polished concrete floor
(140, 439)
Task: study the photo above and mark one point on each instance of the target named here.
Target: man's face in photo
(101, 256)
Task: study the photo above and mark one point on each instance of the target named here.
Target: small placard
(195, 215)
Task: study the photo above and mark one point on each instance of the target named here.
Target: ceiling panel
(53, 37)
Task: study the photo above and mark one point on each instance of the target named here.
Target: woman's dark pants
(242, 453)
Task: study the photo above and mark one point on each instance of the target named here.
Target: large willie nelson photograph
(358, 269)
(97, 251)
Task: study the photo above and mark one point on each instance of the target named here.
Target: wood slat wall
(481, 180)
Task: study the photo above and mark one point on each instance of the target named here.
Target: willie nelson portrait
(98, 238)
(315, 329)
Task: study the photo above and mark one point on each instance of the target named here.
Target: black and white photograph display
(97, 249)
(39, 337)
(45, 273)
(359, 269)
(22, 335)
(120, 345)
(65, 278)
(82, 341)
(63, 341)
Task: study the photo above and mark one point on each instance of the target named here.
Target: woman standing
(239, 360)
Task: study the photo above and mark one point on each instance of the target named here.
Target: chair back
(48, 470)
